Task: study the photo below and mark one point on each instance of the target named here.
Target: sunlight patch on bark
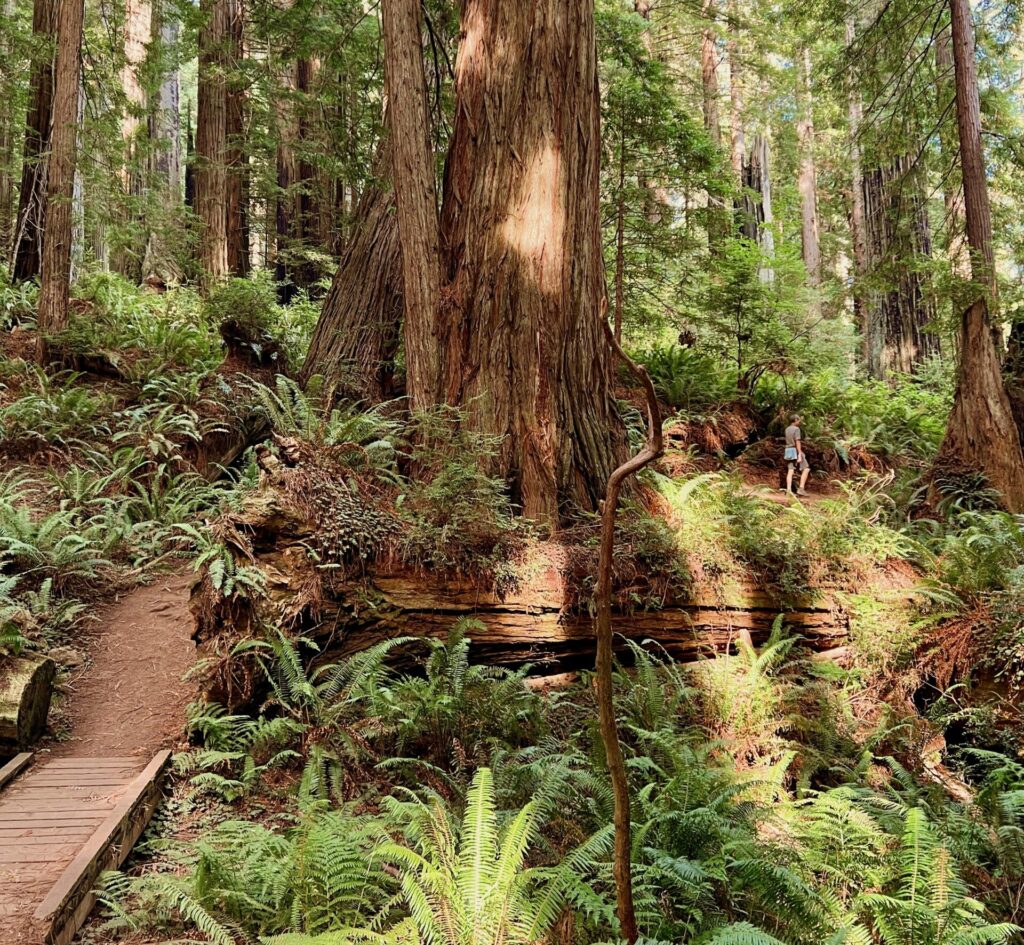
(535, 223)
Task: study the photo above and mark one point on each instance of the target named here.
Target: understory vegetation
(411, 794)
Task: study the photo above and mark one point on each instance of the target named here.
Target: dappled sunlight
(535, 223)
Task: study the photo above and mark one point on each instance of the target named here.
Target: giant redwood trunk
(898, 307)
(236, 207)
(858, 223)
(57, 237)
(523, 346)
(356, 337)
(810, 241)
(981, 434)
(211, 178)
(718, 216)
(28, 230)
(413, 176)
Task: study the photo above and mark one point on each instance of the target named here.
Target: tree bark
(356, 337)
(415, 197)
(603, 665)
(523, 337)
(211, 184)
(8, 111)
(165, 161)
(808, 183)
(978, 216)
(295, 224)
(28, 235)
(898, 307)
(60, 183)
(756, 217)
(738, 146)
(236, 159)
(138, 30)
(858, 224)
(952, 191)
(981, 434)
(718, 223)
(26, 688)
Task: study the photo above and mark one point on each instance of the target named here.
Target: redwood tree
(28, 229)
(356, 336)
(56, 261)
(522, 334)
(211, 179)
(415, 196)
(981, 433)
(898, 305)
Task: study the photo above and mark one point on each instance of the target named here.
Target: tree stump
(26, 685)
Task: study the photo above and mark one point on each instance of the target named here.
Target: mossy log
(26, 686)
(541, 622)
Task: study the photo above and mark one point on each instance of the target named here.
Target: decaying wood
(541, 623)
(26, 686)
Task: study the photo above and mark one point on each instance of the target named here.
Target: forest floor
(130, 697)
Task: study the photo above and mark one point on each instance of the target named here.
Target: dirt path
(130, 699)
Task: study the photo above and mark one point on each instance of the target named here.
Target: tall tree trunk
(899, 306)
(28, 236)
(165, 160)
(415, 197)
(7, 136)
(738, 146)
(295, 223)
(718, 217)
(138, 30)
(981, 434)
(808, 182)
(56, 261)
(858, 224)
(524, 344)
(952, 192)
(756, 217)
(356, 337)
(211, 184)
(236, 160)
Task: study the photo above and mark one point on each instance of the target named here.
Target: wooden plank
(91, 764)
(71, 899)
(20, 835)
(35, 838)
(53, 852)
(14, 767)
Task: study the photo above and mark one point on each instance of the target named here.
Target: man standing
(795, 456)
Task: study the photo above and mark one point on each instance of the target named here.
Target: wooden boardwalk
(62, 822)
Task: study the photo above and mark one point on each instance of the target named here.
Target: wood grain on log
(26, 685)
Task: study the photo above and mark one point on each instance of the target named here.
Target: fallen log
(26, 687)
(542, 619)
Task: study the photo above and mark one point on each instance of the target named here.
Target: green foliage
(471, 882)
(320, 874)
(457, 712)
(363, 439)
(457, 518)
(143, 335)
(929, 903)
(905, 421)
(689, 380)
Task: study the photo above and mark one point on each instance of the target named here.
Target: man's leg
(803, 479)
(789, 478)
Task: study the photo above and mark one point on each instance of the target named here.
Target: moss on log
(26, 686)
